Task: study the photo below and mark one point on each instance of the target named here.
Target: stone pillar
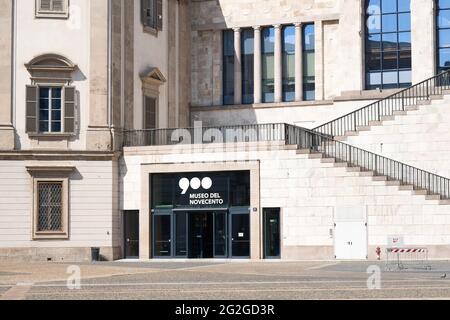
(257, 65)
(278, 61)
(98, 136)
(237, 67)
(298, 62)
(6, 114)
(422, 38)
(319, 65)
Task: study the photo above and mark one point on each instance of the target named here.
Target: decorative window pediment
(51, 68)
(151, 81)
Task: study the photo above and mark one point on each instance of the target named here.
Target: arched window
(443, 35)
(388, 44)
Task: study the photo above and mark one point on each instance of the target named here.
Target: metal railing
(204, 135)
(386, 107)
(369, 161)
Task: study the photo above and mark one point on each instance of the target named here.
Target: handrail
(369, 161)
(387, 106)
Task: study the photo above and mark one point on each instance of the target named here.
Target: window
(443, 35)
(150, 113)
(50, 202)
(50, 211)
(50, 109)
(228, 67)
(288, 63)
(52, 8)
(388, 44)
(247, 39)
(152, 15)
(268, 66)
(309, 66)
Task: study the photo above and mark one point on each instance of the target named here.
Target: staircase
(397, 104)
(368, 164)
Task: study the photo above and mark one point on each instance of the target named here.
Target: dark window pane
(373, 6)
(404, 40)
(56, 126)
(56, 93)
(247, 44)
(162, 236)
(43, 126)
(388, 6)
(404, 22)
(389, 23)
(43, 115)
(43, 92)
(268, 37)
(43, 104)
(289, 63)
(404, 5)
(373, 61)
(56, 104)
(404, 60)
(162, 190)
(373, 24)
(228, 67)
(389, 60)
(390, 41)
(56, 115)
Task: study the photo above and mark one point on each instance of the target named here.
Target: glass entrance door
(131, 234)
(240, 235)
(162, 241)
(201, 235)
(271, 233)
(220, 234)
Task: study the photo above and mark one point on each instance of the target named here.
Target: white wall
(67, 37)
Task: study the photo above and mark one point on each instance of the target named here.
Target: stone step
(351, 133)
(433, 197)
(444, 202)
(340, 138)
(367, 174)
(303, 151)
(315, 156)
(420, 192)
(328, 160)
(363, 128)
(424, 102)
(341, 164)
(387, 118)
(379, 178)
(393, 183)
(436, 97)
(353, 169)
(446, 91)
(399, 113)
(375, 123)
(411, 108)
(407, 187)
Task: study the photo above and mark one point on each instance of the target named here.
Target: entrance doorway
(351, 240)
(131, 234)
(201, 235)
(271, 233)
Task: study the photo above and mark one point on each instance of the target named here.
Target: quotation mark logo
(194, 184)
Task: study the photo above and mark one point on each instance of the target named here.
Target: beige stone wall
(308, 191)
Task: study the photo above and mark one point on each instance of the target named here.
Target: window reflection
(289, 63)
(268, 49)
(388, 44)
(247, 45)
(309, 73)
(443, 32)
(228, 67)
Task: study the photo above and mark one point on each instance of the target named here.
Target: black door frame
(265, 212)
(233, 212)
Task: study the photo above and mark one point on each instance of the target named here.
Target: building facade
(254, 129)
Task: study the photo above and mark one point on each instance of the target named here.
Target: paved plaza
(223, 280)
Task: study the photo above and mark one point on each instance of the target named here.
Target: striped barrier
(406, 258)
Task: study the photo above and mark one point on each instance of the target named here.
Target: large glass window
(309, 73)
(289, 63)
(443, 35)
(268, 66)
(388, 44)
(228, 67)
(247, 45)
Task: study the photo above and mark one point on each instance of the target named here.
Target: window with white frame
(52, 8)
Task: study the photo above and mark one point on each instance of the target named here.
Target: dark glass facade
(247, 63)
(228, 67)
(288, 63)
(309, 64)
(443, 35)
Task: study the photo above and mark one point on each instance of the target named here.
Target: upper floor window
(228, 67)
(152, 15)
(52, 8)
(443, 35)
(247, 45)
(309, 62)
(288, 63)
(388, 44)
(50, 99)
(268, 64)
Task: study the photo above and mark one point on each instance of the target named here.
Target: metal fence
(411, 96)
(406, 258)
(369, 161)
